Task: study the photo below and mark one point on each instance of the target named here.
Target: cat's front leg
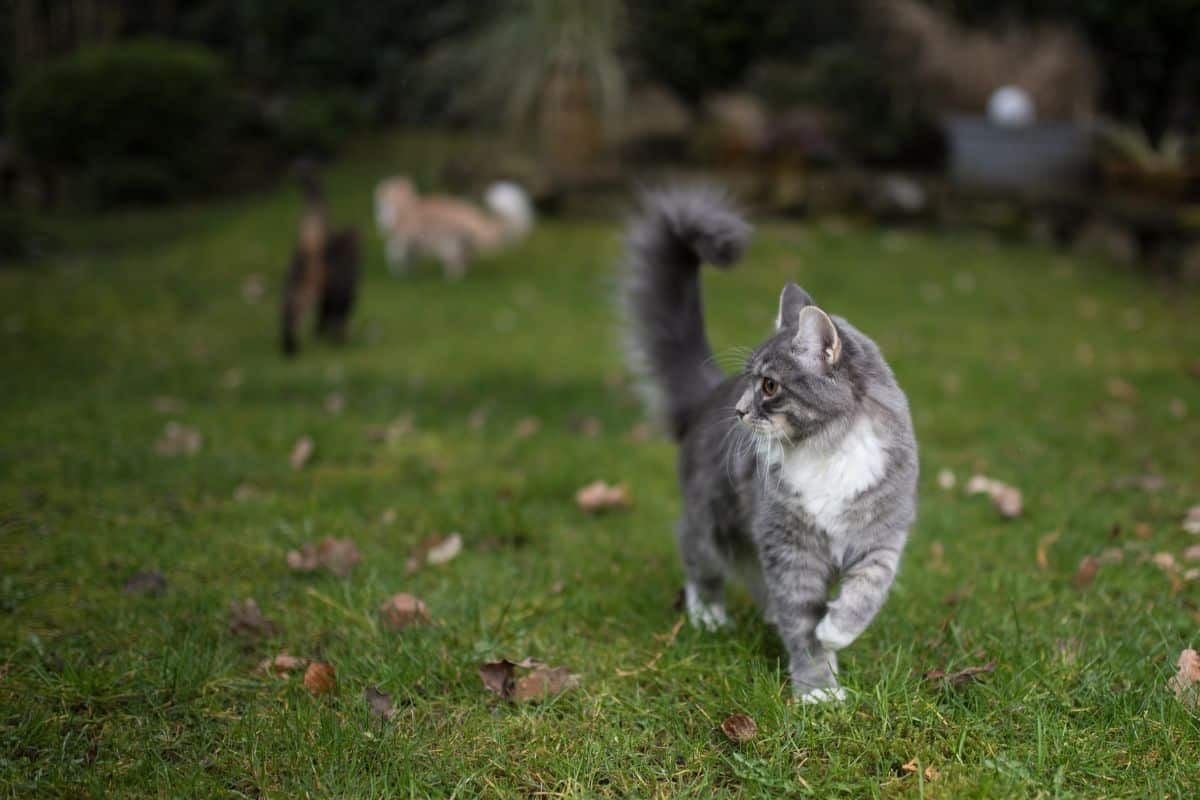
(865, 586)
(797, 573)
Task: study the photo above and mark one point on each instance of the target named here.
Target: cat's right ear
(791, 300)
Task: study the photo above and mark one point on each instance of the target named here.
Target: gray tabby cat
(796, 473)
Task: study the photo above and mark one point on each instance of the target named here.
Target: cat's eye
(769, 387)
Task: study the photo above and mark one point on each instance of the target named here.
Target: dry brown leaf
(445, 550)
(388, 516)
(599, 496)
(739, 728)
(246, 621)
(1142, 531)
(957, 596)
(399, 427)
(540, 683)
(281, 665)
(1191, 522)
(543, 682)
(1164, 561)
(640, 432)
(937, 557)
(1043, 560)
(301, 452)
(148, 583)
(1007, 499)
(587, 426)
(380, 703)
(527, 427)
(1088, 567)
(1120, 389)
(1184, 683)
(962, 676)
(401, 610)
(946, 479)
(320, 678)
(1112, 555)
(932, 774)
(339, 556)
(478, 418)
(177, 440)
(1192, 553)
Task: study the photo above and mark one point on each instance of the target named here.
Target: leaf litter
(541, 682)
(338, 556)
(1184, 683)
(1006, 498)
(402, 610)
(599, 496)
(739, 728)
(246, 621)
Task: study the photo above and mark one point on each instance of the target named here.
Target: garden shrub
(137, 120)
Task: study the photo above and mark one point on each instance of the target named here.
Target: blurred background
(1069, 122)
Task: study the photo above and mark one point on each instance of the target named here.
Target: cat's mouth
(770, 429)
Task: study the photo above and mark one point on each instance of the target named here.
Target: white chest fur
(826, 478)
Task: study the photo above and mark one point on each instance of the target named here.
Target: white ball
(1011, 107)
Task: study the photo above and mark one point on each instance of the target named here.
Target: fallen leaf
(281, 665)
(497, 677)
(253, 288)
(739, 728)
(320, 678)
(1043, 560)
(1006, 498)
(244, 492)
(962, 676)
(1112, 555)
(640, 432)
(1185, 680)
(527, 427)
(1177, 408)
(339, 556)
(1142, 531)
(478, 418)
(946, 479)
(931, 774)
(301, 452)
(401, 610)
(541, 682)
(444, 551)
(1191, 522)
(380, 703)
(588, 426)
(957, 596)
(166, 404)
(152, 584)
(911, 766)
(599, 496)
(335, 402)
(1088, 567)
(1192, 553)
(178, 439)
(1120, 389)
(396, 429)
(1164, 561)
(247, 622)
(388, 516)
(232, 378)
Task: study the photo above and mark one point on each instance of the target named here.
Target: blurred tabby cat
(323, 273)
(446, 228)
(797, 472)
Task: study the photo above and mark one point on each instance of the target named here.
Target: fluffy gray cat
(797, 473)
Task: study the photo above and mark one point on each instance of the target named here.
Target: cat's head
(800, 380)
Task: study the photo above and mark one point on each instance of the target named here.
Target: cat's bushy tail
(674, 232)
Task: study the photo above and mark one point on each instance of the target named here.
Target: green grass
(1005, 351)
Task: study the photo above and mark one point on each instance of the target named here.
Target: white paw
(834, 694)
(832, 637)
(706, 616)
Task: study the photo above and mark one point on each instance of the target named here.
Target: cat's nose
(741, 413)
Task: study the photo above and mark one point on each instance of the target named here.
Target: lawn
(1070, 380)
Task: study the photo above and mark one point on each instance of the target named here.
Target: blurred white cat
(447, 228)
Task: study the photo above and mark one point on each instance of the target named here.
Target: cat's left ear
(817, 341)
(791, 300)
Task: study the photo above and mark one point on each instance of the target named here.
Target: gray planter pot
(1041, 155)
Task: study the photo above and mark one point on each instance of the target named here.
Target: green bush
(316, 123)
(143, 112)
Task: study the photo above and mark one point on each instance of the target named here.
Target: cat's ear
(817, 341)
(791, 300)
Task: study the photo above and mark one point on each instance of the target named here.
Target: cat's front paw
(829, 694)
(708, 616)
(831, 637)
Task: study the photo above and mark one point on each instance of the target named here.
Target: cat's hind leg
(398, 250)
(704, 593)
